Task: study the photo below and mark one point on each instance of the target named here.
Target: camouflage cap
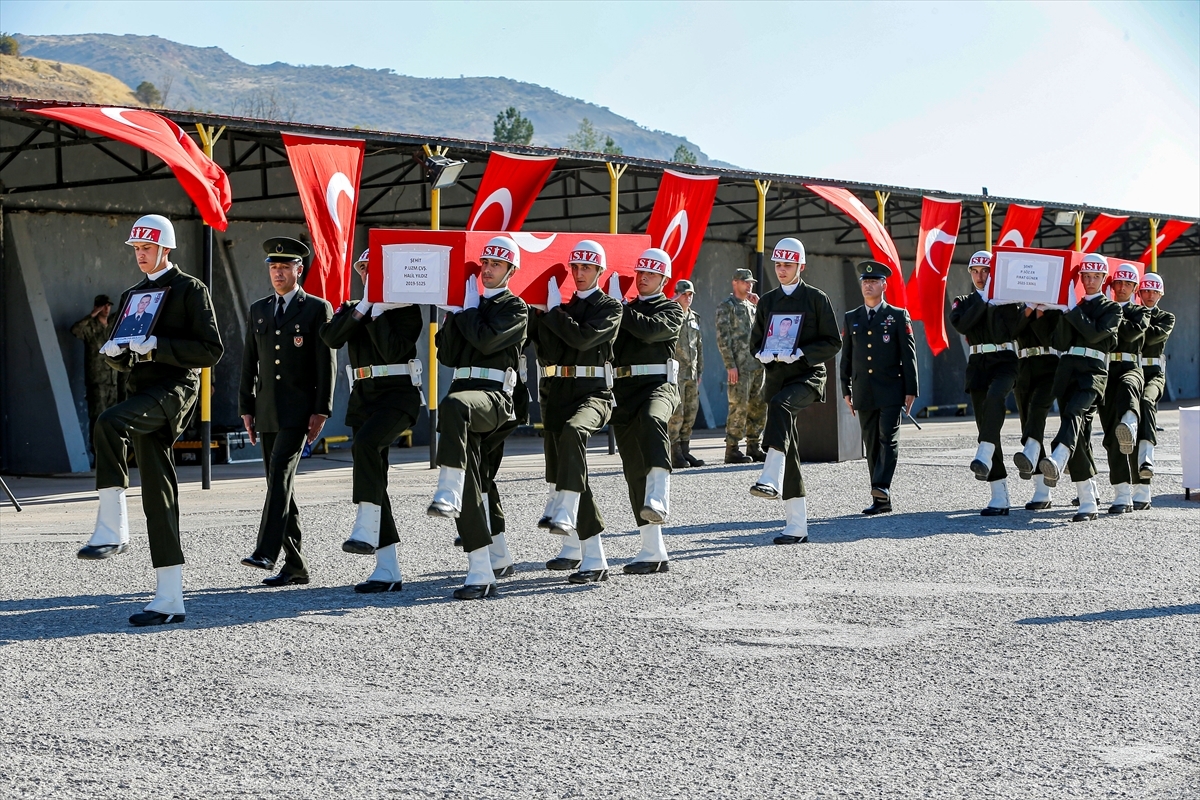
(743, 275)
(684, 286)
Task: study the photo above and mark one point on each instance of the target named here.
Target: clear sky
(1087, 102)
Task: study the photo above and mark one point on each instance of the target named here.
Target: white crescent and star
(1013, 238)
(115, 115)
(936, 236)
(338, 185)
(679, 221)
(501, 197)
(530, 243)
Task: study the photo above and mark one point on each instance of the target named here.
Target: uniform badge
(298, 341)
(886, 338)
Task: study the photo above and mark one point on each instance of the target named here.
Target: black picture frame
(133, 327)
(781, 338)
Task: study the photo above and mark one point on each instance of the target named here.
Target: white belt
(1154, 362)
(1030, 352)
(1132, 357)
(412, 369)
(976, 349)
(507, 378)
(572, 372)
(1086, 352)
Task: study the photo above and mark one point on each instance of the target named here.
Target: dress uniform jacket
(577, 333)
(489, 336)
(1123, 391)
(983, 323)
(819, 337)
(287, 370)
(1159, 330)
(1034, 387)
(390, 338)
(879, 362)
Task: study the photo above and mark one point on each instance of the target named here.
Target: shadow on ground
(1153, 612)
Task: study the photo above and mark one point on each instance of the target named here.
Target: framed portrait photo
(782, 332)
(139, 315)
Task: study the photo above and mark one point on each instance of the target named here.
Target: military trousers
(1122, 393)
(747, 406)
(491, 454)
(142, 420)
(566, 458)
(372, 443)
(988, 401)
(279, 528)
(679, 429)
(1156, 384)
(1075, 406)
(641, 432)
(1034, 391)
(465, 419)
(880, 434)
(781, 432)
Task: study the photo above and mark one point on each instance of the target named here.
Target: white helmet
(982, 258)
(155, 229)
(656, 261)
(1094, 262)
(1152, 282)
(788, 250)
(364, 258)
(1125, 272)
(589, 252)
(502, 248)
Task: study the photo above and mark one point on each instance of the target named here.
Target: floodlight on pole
(440, 172)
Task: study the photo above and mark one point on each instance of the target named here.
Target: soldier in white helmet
(1120, 408)
(1162, 322)
(795, 333)
(164, 381)
(482, 343)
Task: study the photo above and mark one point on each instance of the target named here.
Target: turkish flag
(1166, 235)
(935, 250)
(1101, 228)
(680, 218)
(1020, 226)
(883, 249)
(205, 183)
(327, 173)
(507, 190)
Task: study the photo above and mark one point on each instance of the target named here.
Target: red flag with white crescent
(1020, 226)
(883, 249)
(935, 250)
(680, 218)
(205, 183)
(1167, 234)
(327, 173)
(1101, 228)
(509, 186)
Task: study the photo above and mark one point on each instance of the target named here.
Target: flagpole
(208, 137)
(988, 208)
(762, 187)
(614, 179)
(1153, 265)
(435, 224)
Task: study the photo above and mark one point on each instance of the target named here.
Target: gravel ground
(928, 653)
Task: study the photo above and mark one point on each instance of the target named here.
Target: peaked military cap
(283, 248)
(743, 275)
(874, 270)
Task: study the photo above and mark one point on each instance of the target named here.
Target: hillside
(209, 79)
(51, 80)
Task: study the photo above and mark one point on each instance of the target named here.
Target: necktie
(870, 315)
(279, 313)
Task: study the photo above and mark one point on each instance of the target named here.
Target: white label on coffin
(415, 273)
(1027, 278)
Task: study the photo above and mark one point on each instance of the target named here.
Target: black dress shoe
(376, 587)
(99, 552)
(1082, 517)
(562, 529)
(981, 470)
(878, 507)
(652, 516)
(588, 576)
(1120, 508)
(505, 572)
(440, 509)
(1025, 467)
(880, 494)
(1146, 471)
(458, 541)
(143, 619)
(1075, 502)
(763, 490)
(544, 523)
(994, 512)
(561, 564)
(258, 562)
(475, 591)
(785, 539)
(1040, 505)
(358, 547)
(286, 579)
(646, 567)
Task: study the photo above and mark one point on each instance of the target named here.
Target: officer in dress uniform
(646, 396)
(482, 344)
(879, 377)
(744, 373)
(689, 352)
(385, 398)
(164, 381)
(103, 384)
(286, 394)
(1154, 370)
(990, 331)
(1034, 390)
(795, 380)
(1121, 406)
(1083, 337)
(575, 352)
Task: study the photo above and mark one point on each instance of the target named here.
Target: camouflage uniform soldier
(689, 352)
(101, 380)
(747, 408)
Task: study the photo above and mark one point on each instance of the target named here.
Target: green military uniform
(1123, 390)
(287, 376)
(747, 405)
(644, 403)
(1154, 372)
(163, 386)
(102, 383)
(689, 352)
(579, 333)
(1037, 361)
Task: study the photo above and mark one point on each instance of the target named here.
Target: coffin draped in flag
(509, 186)
(1101, 228)
(680, 218)
(883, 249)
(1020, 226)
(1167, 234)
(935, 250)
(205, 183)
(327, 173)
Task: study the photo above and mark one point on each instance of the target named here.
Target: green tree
(512, 127)
(148, 93)
(9, 46)
(586, 139)
(611, 148)
(683, 155)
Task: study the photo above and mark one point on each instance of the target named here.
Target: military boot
(754, 451)
(734, 454)
(677, 459)
(688, 457)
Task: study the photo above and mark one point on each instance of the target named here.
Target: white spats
(499, 553)
(1127, 431)
(1146, 457)
(772, 472)
(593, 555)
(1029, 456)
(168, 595)
(570, 547)
(999, 494)
(387, 566)
(479, 568)
(1141, 493)
(551, 503)
(658, 496)
(796, 517)
(653, 546)
(448, 495)
(1087, 496)
(981, 464)
(1041, 492)
(112, 520)
(1122, 495)
(565, 516)
(1054, 466)
(366, 524)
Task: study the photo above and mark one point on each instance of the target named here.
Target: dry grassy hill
(52, 80)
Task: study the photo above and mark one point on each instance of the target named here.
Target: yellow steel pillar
(208, 137)
(435, 223)
(881, 199)
(988, 208)
(1153, 265)
(762, 187)
(614, 179)
(1078, 231)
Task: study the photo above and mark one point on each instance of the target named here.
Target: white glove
(111, 349)
(364, 305)
(143, 347)
(471, 296)
(614, 287)
(765, 358)
(790, 358)
(380, 308)
(553, 295)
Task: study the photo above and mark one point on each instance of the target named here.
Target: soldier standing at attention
(1083, 337)
(794, 381)
(385, 398)
(1034, 390)
(164, 381)
(482, 344)
(1121, 407)
(1154, 370)
(99, 379)
(990, 331)
(689, 352)
(747, 406)
(879, 377)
